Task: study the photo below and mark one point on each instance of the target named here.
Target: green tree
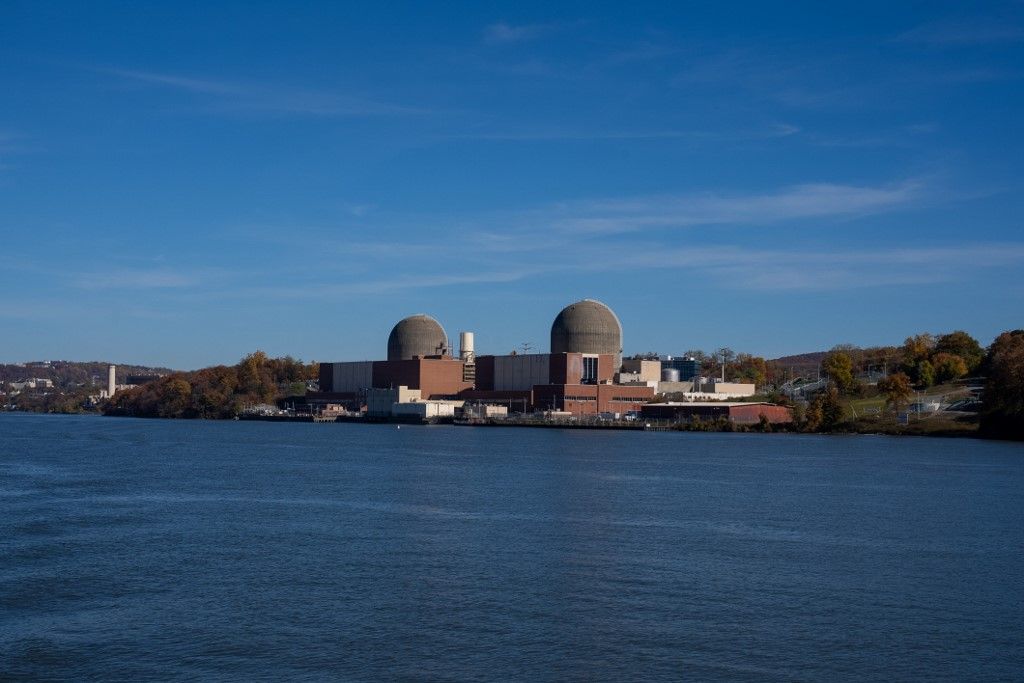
(965, 346)
(915, 351)
(1003, 402)
(839, 367)
(897, 390)
(925, 373)
(948, 367)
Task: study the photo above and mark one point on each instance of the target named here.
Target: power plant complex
(583, 374)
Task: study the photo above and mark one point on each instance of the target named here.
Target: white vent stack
(466, 352)
(111, 383)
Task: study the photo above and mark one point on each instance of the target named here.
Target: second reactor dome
(417, 335)
(587, 326)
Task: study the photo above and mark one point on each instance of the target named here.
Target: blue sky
(182, 183)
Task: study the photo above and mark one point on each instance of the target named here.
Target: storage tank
(111, 380)
(466, 352)
(670, 375)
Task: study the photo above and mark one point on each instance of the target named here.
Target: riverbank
(931, 425)
(936, 425)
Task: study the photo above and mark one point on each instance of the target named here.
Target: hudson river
(158, 550)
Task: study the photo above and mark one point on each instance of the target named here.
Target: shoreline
(948, 429)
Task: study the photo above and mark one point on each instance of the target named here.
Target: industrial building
(582, 374)
(577, 375)
(688, 368)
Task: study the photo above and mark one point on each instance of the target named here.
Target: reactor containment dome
(587, 326)
(417, 335)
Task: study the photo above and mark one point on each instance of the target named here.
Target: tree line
(217, 392)
(923, 361)
(925, 358)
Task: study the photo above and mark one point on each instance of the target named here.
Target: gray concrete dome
(587, 326)
(417, 335)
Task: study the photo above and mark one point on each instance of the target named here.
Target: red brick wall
(619, 399)
(590, 399)
(752, 414)
(435, 378)
(441, 378)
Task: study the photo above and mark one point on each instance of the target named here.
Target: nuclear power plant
(590, 327)
(418, 336)
(583, 373)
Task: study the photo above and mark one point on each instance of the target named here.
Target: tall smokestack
(111, 383)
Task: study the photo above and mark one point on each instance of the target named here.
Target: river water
(166, 550)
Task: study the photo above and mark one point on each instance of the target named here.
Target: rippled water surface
(157, 550)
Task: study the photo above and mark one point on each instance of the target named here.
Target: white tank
(466, 352)
(111, 380)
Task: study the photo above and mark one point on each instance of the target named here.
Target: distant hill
(68, 374)
(802, 363)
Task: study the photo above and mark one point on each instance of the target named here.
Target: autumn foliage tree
(897, 390)
(1003, 412)
(948, 367)
(216, 392)
(825, 411)
(962, 345)
(749, 369)
(928, 360)
(838, 366)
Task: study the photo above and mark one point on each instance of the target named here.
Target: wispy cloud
(425, 279)
(265, 97)
(775, 130)
(815, 200)
(808, 269)
(577, 239)
(161, 278)
(837, 81)
(503, 248)
(963, 32)
(503, 33)
(726, 266)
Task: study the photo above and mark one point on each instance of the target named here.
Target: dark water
(149, 550)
